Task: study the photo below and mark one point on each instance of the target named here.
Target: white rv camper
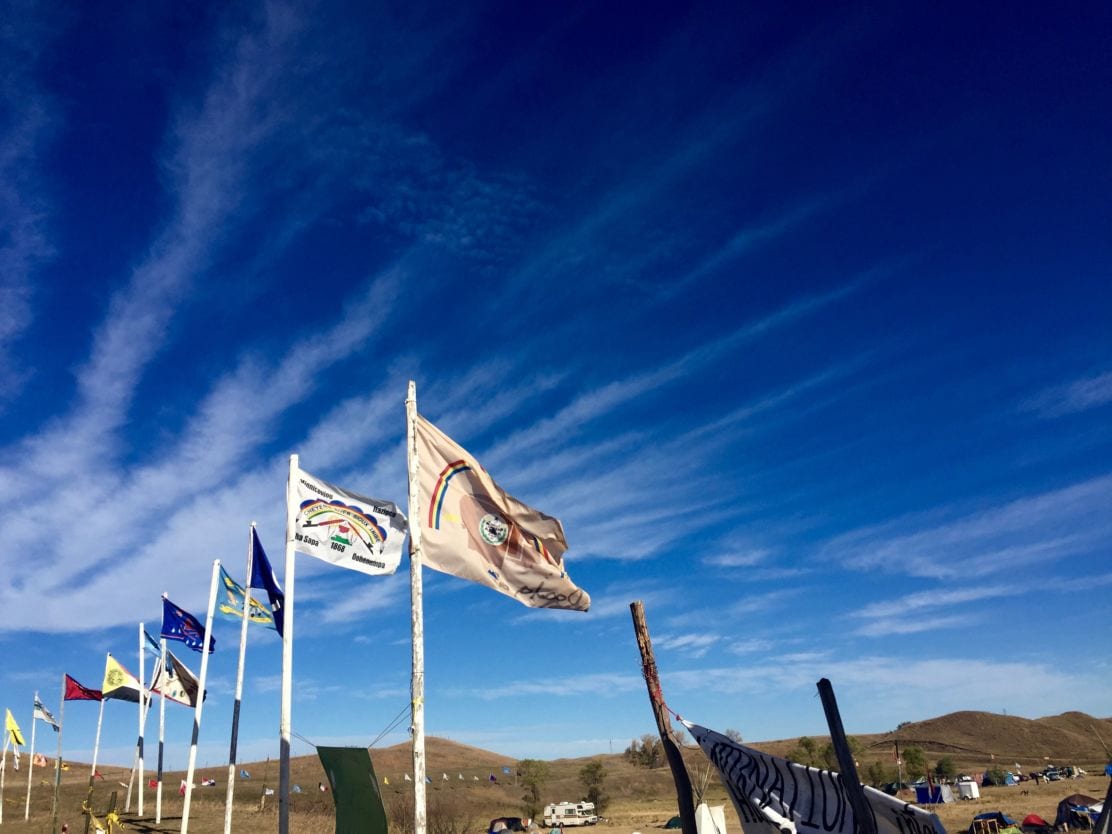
(570, 813)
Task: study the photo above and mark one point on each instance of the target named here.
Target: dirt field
(642, 800)
(312, 811)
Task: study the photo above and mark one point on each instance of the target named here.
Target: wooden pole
(863, 820)
(680, 776)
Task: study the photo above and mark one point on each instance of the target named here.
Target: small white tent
(710, 819)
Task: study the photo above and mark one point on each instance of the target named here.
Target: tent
(1035, 823)
(988, 779)
(674, 822)
(992, 821)
(1076, 811)
(1002, 819)
(933, 795)
(710, 819)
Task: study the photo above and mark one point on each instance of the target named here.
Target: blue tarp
(1003, 819)
(935, 795)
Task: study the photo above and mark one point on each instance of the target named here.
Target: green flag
(354, 790)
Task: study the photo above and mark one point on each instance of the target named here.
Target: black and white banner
(775, 796)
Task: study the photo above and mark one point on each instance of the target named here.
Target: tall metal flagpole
(30, 763)
(239, 681)
(200, 696)
(284, 722)
(161, 733)
(417, 685)
(58, 761)
(96, 744)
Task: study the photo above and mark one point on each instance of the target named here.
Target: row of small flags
(445, 778)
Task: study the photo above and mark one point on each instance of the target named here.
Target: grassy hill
(640, 798)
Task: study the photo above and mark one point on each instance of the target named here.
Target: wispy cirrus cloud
(895, 626)
(1037, 528)
(873, 689)
(1073, 397)
(30, 115)
(693, 645)
(737, 559)
(912, 604)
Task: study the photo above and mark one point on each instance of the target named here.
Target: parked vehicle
(570, 813)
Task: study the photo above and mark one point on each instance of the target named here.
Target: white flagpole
(30, 763)
(142, 734)
(161, 736)
(3, 770)
(284, 721)
(58, 761)
(417, 619)
(144, 705)
(137, 759)
(239, 681)
(96, 744)
(200, 697)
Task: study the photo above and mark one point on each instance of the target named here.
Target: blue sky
(798, 319)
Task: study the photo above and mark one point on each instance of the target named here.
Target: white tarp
(772, 795)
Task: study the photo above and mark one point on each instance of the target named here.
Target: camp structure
(1078, 811)
(1000, 778)
(969, 790)
(1034, 824)
(993, 822)
(710, 819)
(933, 794)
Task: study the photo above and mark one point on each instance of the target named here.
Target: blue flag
(232, 607)
(179, 624)
(153, 645)
(262, 576)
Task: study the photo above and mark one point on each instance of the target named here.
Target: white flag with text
(345, 528)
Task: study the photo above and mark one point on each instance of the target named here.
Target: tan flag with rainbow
(471, 528)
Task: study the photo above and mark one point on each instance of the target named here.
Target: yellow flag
(118, 682)
(11, 727)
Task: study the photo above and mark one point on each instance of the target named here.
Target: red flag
(77, 692)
